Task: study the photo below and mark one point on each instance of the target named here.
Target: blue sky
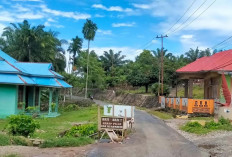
(127, 25)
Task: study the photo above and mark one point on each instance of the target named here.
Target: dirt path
(24, 151)
(153, 138)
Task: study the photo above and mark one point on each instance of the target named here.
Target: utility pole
(162, 63)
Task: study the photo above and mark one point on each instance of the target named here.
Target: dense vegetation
(34, 44)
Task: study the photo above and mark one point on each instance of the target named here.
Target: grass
(160, 114)
(197, 128)
(67, 142)
(51, 127)
(140, 90)
(202, 118)
(11, 155)
(198, 92)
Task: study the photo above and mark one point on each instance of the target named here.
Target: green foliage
(73, 80)
(89, 30)
(33, 44)
(82, 130)
(75, 46)
(96, 78)
(53, 105)
(198, 92)
(155, 87)
(22, 125)
(32, 109)
(11, 155)
(66, 142)
(70, 107)
(12, 140)
(143, 70)
(197, 128)
(4, 140)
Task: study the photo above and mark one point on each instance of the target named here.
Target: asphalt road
(152, 138)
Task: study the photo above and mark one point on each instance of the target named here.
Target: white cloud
(141, 6)
(74, 15)
(123, 24)
(20, 8)
(1, 28)
(188, 41)
(129, 52)
(99, 15)
(30, 15)
(112, 8)
(186, 36)
(104, 32)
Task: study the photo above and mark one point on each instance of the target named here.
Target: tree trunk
(146, 87)
(86, 83)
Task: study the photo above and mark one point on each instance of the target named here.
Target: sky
(129, 25)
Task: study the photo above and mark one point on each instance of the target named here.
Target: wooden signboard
(112, 123)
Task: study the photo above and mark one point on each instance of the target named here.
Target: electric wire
(181, 17)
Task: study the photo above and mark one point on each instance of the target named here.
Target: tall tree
(142, 70)
(75, 47)
(112, 60)
(193, 55)
(33, 44)
(89, 31)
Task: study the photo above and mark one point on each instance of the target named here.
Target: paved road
(153, 138)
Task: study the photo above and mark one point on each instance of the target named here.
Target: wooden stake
(99, 121)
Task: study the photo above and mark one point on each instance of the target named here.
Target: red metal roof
(221, 61)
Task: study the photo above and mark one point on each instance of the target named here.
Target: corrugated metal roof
(221, 61)
(38, 74)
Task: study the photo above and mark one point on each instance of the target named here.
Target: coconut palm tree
(111, 60)
(89, 31)
(75, 47)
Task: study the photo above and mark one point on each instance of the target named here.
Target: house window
(20, 97)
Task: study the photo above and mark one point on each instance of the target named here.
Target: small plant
(22, 125)
(53, 105)
(21, 105)
(82, 130)
(32, 109)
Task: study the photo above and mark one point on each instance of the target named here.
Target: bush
(224, 121)
(22, 125)
(70, 107)
(212, 125)
(155, 86)
(66, 142)
(12, 140)
(82, 130)
(80, 102)
(19, 141)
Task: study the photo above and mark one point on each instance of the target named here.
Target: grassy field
(51, 127)
(198, 92)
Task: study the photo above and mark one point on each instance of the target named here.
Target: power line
(221, 42)
(188, 17)
(197, 16)
(181, 17)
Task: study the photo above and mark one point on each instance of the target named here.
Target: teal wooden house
(21, 84)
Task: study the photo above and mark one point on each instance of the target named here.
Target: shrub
(212, 125)
(66, 142)
(70, 107)
(224, 121)
(22, 125)
(193, 124)
(80, 102)
(82, 130)
(155, 86)
(19, 141)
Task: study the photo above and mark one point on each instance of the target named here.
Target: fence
(188, 105)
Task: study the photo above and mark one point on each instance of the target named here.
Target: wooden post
(57, 100)
(33, 103)
(50, 101)
(24, 98)
(39, 101)
(190, 88)
(186, 89)
(99, 121)
(126, 123)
